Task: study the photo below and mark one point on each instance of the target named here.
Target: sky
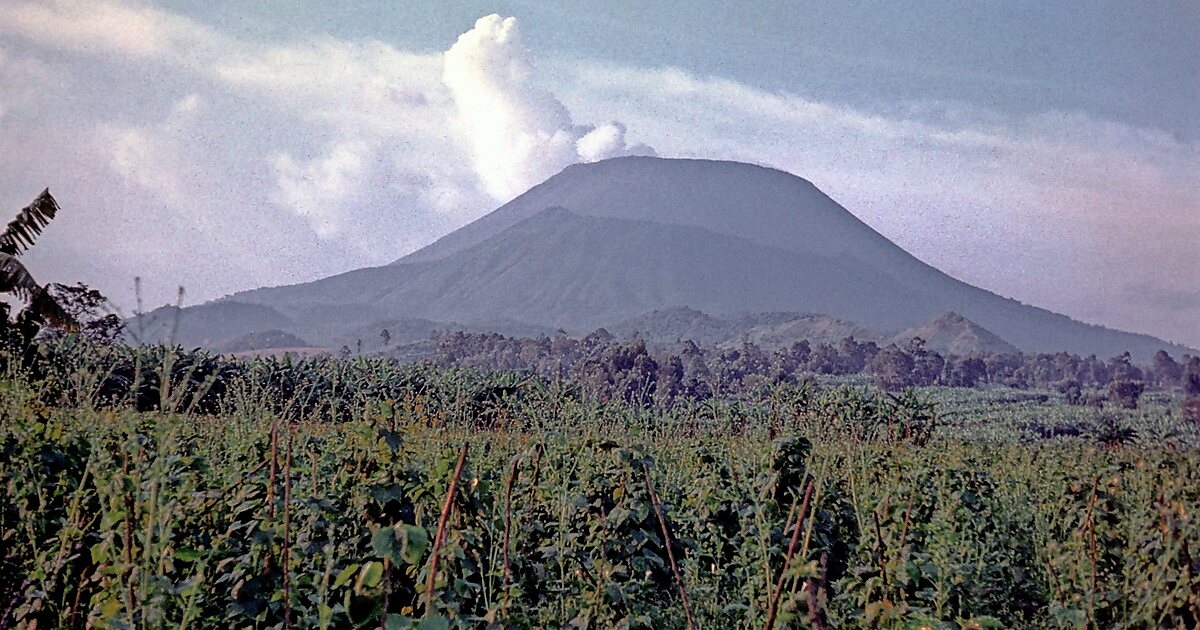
(1047, 153)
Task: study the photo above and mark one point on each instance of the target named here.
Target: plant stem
(787, 561)
(662, 522)
(441, 530)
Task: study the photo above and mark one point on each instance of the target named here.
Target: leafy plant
(18, 236)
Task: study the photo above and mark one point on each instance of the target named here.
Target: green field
(318, 494)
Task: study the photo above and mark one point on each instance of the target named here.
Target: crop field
(149, 488)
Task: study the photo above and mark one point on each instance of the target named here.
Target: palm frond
(16, 279)
(24, 229)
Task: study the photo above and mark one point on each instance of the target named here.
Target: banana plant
(15, 279)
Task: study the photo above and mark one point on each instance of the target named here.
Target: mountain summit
(603, 242)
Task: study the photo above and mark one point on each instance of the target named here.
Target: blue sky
(1049, 153)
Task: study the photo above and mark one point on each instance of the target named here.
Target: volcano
(600, 243)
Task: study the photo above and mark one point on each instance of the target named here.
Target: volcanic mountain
(601, 243)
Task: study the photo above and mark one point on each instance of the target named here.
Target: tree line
(642, 374)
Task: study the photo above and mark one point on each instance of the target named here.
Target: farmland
(152, 487)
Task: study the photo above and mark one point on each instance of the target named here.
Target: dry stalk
(662, 522)
(441, 530)
(787, 561)
(512, 479)
(287, 533)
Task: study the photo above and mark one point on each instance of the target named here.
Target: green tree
(892, 368)
(1166, 370)
(1191, 376)
(1126, 393)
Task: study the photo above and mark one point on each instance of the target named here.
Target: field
(328, 493)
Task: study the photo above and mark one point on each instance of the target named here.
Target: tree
(824, 359)
(1191, 377)
(927, 365)
(1126, 393)
(87, 306)
(670, 380)
(1166, 370)
(892, 368)
(15, 279)
(800, 353)
(697, 378)
(1121, 368)
(963, 371)
(623, 372)
(1072, 391)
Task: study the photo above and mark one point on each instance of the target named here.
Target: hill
(954, 334)
(768, 330)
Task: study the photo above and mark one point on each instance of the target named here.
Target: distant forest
(645, 375)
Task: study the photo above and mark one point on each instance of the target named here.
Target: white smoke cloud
(520, 133)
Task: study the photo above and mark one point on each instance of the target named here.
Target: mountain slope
(560, 268)
(600, 243)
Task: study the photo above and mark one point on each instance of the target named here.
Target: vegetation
(613, 368)
(154, 487)
(18, 236)
(602, 486)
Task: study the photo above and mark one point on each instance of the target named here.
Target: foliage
(18, 236)
(87, 307)
(1126, 393)
(155, 487)
(687, 370)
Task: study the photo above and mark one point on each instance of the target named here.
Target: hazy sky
(1048, 154)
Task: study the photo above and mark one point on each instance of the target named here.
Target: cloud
(160, 158)
(317, 189)
(1174, 299)
(441, 136)
(117, 28)
(24, 79)
(254, 162)
(355, 87)
(608, 140)
(519, 132)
